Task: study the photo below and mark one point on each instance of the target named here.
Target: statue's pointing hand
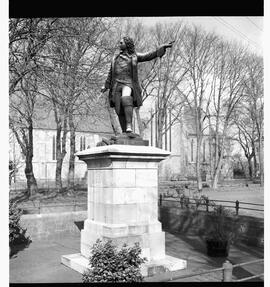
(162, 51)
(169, 45)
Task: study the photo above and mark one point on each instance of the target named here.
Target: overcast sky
(247, 30)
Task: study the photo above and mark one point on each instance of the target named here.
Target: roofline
(92, 132)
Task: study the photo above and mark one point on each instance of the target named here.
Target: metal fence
(226, 269)
(186, 202)
(46, 185)
(39, 207)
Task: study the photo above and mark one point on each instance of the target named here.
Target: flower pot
(217, 248)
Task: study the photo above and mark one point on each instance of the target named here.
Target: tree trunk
(218, 159)
(210, 146)
(139, 121)
(161, 121)
(255, 168)
(58, 173)
(250, 168)
(261, 162)
(60, 154)
(71, 169)
(31, 181)
(198, 165)
(216, 174)
(159, 138)
(29, 173)
(26, 144)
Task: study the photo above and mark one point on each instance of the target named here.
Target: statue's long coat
(136, 92)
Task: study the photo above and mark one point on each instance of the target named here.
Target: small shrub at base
(16, 232)
(108, 264)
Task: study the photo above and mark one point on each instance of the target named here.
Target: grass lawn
(253, 193)
(246, 195)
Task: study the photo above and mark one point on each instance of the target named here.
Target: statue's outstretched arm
(143, 57)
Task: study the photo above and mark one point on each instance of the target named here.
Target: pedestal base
(123, 204)
(80, 263)
(148, 234)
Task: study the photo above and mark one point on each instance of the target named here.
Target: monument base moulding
(123, 205)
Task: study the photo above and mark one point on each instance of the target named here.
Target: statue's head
(129, 44)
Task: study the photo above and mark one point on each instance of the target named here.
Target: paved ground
(40, 262)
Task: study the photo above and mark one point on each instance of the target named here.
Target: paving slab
(40, 262)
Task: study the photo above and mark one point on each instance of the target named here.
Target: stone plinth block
(123, 201)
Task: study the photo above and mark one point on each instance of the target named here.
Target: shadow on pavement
(193, 248)
(257, 252)
(240, 272)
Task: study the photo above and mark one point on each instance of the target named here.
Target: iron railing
(187, 202)
(42, 208)
(226, 269)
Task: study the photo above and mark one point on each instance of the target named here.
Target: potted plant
(223, 231)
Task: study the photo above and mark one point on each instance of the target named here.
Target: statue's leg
(119, 109)
(127, 103)
(122, 118)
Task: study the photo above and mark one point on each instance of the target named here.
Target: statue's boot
(122, 119)
(127, 102)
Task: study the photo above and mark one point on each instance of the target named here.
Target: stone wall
(187, 221)
(49, 226)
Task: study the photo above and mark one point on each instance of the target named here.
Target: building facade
(88, 133)
(180, 139)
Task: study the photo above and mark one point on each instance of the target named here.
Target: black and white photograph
(135, 145)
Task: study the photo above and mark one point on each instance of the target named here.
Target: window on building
(54, 148)
(192, 151)
(82, 143)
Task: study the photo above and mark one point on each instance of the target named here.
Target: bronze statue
(123, 83)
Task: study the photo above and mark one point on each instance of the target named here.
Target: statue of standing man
(123, 83)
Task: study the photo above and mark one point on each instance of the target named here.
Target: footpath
(40, 262)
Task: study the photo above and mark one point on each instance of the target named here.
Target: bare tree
(160, 79)
(90, 56)
(197, 90)
(228, 92)
(22, 115)
(27, 38)
(54, 90)
(78, 54)
(249, 120)
(246, 138)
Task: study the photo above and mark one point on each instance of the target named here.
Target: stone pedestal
(123, 204)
